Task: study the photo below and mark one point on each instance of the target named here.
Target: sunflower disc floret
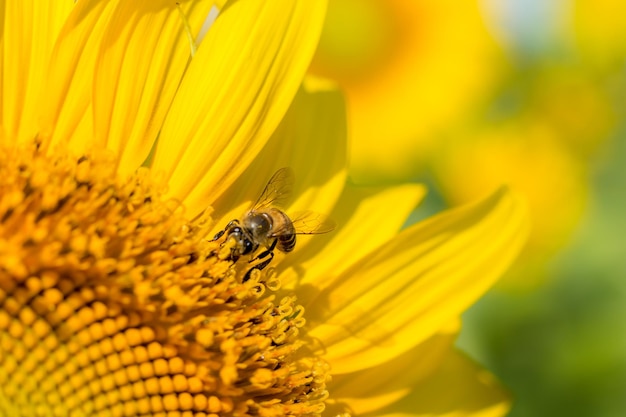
(114, 304)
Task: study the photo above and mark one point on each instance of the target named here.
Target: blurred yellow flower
(408, 69)
(115, 299)
(599, 30)
(543, 147)
(572, 103)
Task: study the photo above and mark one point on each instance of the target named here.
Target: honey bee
(267, 226)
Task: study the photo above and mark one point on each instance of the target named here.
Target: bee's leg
(266, 253)
(230, 224)
(218, 235)
(260, 266)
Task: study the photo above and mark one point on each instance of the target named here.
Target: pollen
(113, 304)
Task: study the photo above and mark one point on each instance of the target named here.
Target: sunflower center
(113, 304)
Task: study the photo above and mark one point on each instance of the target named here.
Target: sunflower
(410, 70)
(598, 32)
(132, 134)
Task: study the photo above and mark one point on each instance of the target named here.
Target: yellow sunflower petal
(238, 87)
(145, 52)
(65, 106)
(365, 220)
(459, 388)
(402, 292)
(312, 140)
(556, 188)
(29, 32)
(388, 383)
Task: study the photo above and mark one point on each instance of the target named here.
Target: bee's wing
(277, 190)
(311, 223)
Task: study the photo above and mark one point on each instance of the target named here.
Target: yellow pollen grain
(113, 304)
(204, 337)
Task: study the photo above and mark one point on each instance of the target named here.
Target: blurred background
(465, 96)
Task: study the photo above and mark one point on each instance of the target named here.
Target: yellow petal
(237, 89)
(66, 111)
(365, 220)
(402, 292)
(459, 388)
(30, 29)
(556, 188)
(311, 139)
(391, 381)
(144, 54)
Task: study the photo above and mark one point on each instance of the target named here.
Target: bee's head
(243, 242)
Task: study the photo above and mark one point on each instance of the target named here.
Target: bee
(267, 227)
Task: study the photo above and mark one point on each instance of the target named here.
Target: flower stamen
(112, 303)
